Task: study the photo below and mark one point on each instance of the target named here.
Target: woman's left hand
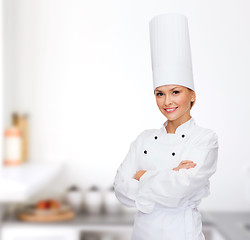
(138, 174)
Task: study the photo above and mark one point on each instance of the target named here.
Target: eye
(159, 94)
(176, 92)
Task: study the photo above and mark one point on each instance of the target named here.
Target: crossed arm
(167, 187)
(185, 164)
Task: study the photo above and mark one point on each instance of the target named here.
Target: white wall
(82, 70)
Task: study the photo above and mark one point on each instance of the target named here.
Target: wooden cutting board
(60, 216)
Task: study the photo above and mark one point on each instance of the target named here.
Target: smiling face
(174, 101)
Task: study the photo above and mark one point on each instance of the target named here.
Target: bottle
(21, 122)
(112, 205)
(12, 146)
(94, 200)
(74, 198)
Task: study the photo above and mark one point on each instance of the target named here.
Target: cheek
(182, 101)
(159, 102)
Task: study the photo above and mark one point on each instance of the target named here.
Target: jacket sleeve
(125, 186)
(169, 187)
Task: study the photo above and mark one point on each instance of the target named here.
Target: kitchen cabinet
(30, 232)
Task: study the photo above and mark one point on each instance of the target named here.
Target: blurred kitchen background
(77, 90)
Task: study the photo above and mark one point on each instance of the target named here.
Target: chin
(169, 117)
(172, 118)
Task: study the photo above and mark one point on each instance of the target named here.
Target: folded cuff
(132, 189)
(147, 175)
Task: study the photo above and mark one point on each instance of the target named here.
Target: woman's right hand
(138, 174)
(185, 164)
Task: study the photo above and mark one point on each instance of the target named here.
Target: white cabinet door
(38, 233)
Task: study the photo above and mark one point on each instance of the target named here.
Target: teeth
(169, 110)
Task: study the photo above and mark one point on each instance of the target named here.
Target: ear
(193, 96)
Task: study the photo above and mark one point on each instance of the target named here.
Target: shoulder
(146, 133)
(205, 137)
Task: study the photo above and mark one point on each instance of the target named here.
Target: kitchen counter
(19, 183)
(229, 224)
(232, 225)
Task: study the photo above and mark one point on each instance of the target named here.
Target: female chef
(166, 171)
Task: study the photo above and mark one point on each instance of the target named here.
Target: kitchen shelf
(19, 183)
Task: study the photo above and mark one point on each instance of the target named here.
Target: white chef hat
(170, 50)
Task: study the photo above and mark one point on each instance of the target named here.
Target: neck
(174, 124)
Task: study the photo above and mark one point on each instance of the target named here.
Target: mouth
(170, 110)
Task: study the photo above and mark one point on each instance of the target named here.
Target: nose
(168, 100)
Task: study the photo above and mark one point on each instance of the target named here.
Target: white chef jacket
(167, 200)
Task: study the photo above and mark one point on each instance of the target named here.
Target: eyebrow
(170, 89)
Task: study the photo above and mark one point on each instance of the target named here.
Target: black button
(183, 135)
(155, 137)
(173, 153)
(145, 151)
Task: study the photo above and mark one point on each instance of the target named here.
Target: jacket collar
(183, 128)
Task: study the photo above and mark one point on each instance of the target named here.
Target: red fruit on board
(42, 205)
(48, 204)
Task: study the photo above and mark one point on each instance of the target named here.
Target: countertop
(230, 224)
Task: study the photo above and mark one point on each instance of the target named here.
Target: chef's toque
(170, 50)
